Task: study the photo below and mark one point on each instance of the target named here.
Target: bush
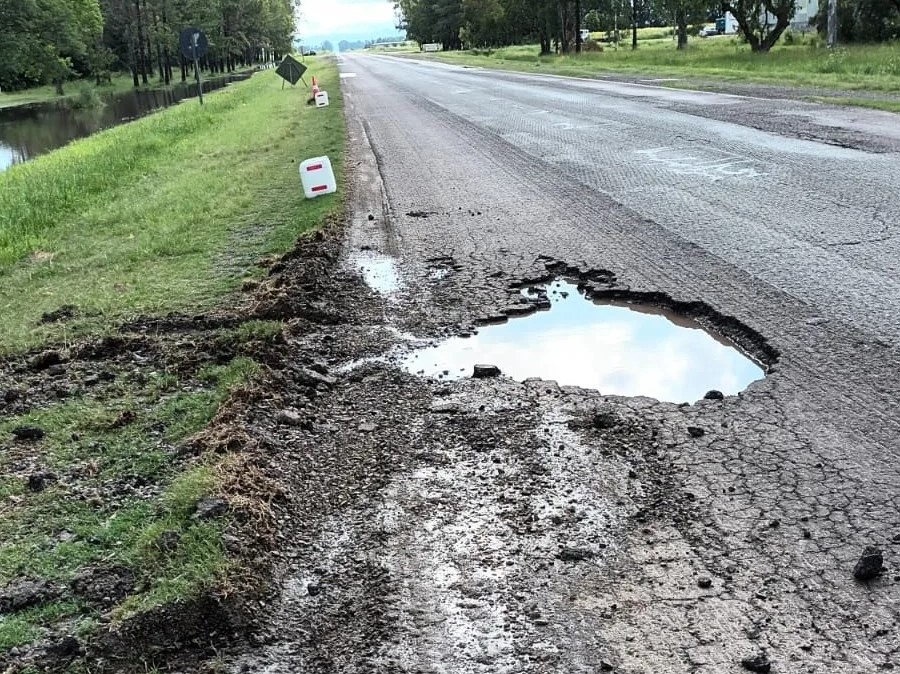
(87, 98)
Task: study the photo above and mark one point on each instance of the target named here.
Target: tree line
(557, 24)
(50, 41)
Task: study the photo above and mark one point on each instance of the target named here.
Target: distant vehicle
(310, 52)
(709, 31)
(585, 35)
(726, 25)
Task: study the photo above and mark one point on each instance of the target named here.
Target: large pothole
(616, 348)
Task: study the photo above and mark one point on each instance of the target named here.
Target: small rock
(605, 666)
(870, 564)
(23, 593)
(704, 582)
(309, 377)
(12, 395)
(696, 432)
(289, 418)
(313, 590)
(714, 395)
(444, 407)
(28, 433)
(570, 554)
(209, 508)
(371, 217)
(758, 663)
(56, 370)
(45, 359)
(774, 524)
(486, 371)
(807, 533)
(367, 427)
(231, 543)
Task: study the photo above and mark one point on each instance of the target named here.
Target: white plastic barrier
(317, 177)
(433, 46)
(322, 99)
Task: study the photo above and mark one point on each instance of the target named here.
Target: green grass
(861, 68)
(91, 453)
(165, 213)
(887, 106)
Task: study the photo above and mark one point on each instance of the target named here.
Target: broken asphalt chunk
(758, 663)
(486, 371)
(870, 564)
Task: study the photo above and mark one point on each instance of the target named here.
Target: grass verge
(163, 214)
(102, 506)
(853, 68)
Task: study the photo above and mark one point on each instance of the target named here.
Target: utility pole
(634, 24)
(832, 24)
(577, 26)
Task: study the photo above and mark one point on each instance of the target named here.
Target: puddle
(624, 349)
(378, 271)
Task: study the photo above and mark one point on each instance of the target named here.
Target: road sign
(291, 69)
(194, 46)
(190, 39)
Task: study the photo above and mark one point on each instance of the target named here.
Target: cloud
(337, 19)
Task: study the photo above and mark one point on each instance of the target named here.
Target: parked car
(708, 32)
(585, 35)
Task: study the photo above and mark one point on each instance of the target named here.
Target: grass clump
(120, 496)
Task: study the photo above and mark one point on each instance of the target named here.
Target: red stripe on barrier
(320, 188)
(314, 167)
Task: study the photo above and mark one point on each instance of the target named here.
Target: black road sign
(191, 38)
(291, 69)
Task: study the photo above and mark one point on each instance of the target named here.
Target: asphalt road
(778, 216)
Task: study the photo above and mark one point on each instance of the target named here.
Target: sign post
(194, 46)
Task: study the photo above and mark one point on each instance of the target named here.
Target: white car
(585, 35)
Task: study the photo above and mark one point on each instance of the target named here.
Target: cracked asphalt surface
(531, 527)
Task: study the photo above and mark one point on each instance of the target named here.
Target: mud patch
(614, 347)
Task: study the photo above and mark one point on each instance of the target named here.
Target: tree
(682, 13)
(863, 20)
(761, 21)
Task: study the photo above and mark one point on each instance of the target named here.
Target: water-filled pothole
(617, 349)
(378, 271)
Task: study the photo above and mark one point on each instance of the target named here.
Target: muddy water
(32, 130)
(619, 350)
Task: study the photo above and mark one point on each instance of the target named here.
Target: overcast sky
(345, 19)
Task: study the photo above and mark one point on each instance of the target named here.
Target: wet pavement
(494, 525)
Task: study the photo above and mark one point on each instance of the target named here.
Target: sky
(337, 20)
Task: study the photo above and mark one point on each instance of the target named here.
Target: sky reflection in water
(617, 350)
